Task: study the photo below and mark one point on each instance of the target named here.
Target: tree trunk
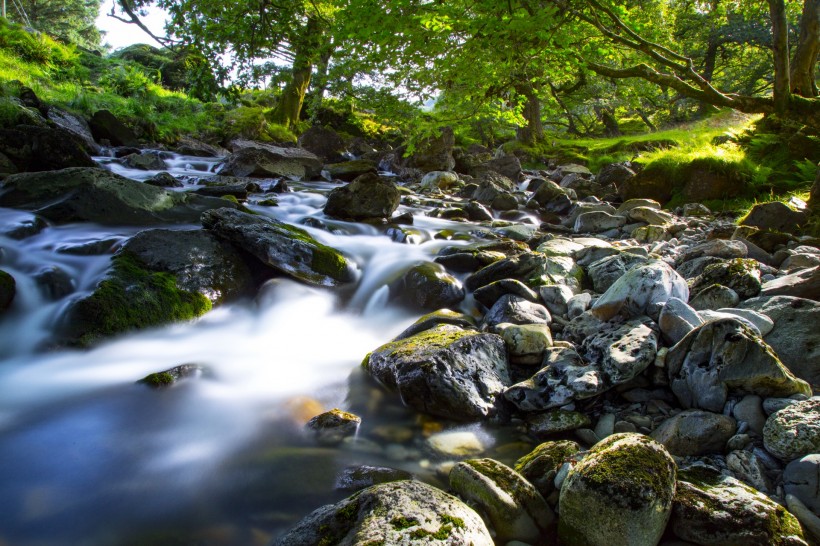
(534, 130)
(709, 62)
(646, 120)
(293, 96)
(780, 51)
(806, 54)
(320, 81)
(607, 117)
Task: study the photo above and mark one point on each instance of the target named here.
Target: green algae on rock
(619, 493)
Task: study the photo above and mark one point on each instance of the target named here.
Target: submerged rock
(331, 427)
(161, 380)
(96, 195)
(282, 246)
(403, 512)
(444, 371)
(619, 493)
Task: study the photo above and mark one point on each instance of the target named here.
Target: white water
(87, 456)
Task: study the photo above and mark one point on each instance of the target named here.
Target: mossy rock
(541, 465)
(440, 316)
(740, 274)
(428, 286)
(620, 493)
(129, 298)
(713, 509)
(8, 288)
(403, 512)
(161, 380)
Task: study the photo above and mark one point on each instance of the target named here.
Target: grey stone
(331, 427)
(543, 425)
(724, 357)
(526, 343)
(801, 478)
(556, 298)
(516, 310)
(794, 431)
(597, 221)
(578, 304)
(622, 353)
(256, 159)
(677, 319)
(444, 371)
(750, 410)
(747, 468)
(641, 291)
(368, 196)
(428, 286)
(695, 432)
(717, 248)
(714, 297)
(606, 271)
(804, 283)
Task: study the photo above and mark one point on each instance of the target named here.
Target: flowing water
(90, 457)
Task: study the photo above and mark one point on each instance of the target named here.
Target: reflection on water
(91, 457)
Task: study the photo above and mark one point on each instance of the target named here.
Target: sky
(119, 34)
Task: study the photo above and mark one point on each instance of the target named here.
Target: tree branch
(133, 19)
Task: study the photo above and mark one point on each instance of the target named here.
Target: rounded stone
(801, 478)
(794, 431)
(620, 493)
(695, 432)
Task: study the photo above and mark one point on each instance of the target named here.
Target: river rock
(528, 267)
(715, 296)
(619, 493)
(716, 248)
(622, 352)
(456, 444)
(30, 148)
(557, 421)
(541, 465)
(434, 153)
(641, 291)
(713, 509)
(282, 246)
(605, 272)
(350, 170)
(615, 174)
(515, 310)
(748, 468)
(487, 295)
(469, 258)
(368, 196)
(565, 377)
(439, 180)
(795, 338)
(597, 222)
(516, 510)
(794, 431)
(105, 126)
(526, 343)
(256, 159)
(324, 142)
(801, 478)
(723, 357)
(444, 371)
(439, 316)
(677, 319)
(98, 195)
(740, 274)
(774, 216)
(198, 260)
(651, 216)
(695, 432)
(331, 427)
(164, 379)
(749, 410)
(804, 283)
(694, 267)
(356, 478)
(76, 125)
(402, 512)
(428, 286)
(164, 180)
(8, 289)
(547, 192)
(144, 161)
(556, 298)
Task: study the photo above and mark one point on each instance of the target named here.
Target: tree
(70, 20)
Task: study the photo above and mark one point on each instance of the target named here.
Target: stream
(90, 457)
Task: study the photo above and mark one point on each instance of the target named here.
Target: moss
(401, 523)
(546, 457)
(131, 298)
(161, 379)
(425, 343)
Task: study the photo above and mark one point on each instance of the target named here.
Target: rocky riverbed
(578, 369)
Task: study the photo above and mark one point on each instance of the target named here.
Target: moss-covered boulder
(740, 274)
(368, 197)
(331, 427)
(620, 493)
(97, 195)
(724, 357)
(794, 431)
(281, 246)
(428, 286)
(716, 510)
(516, 510)
(557, 421)
(469, 258)
(33, 149)
(8, 288)
(541, 465)
(107, 127)
(403, 512)
(131, 297)
(434, 153)
(439, 316)
(444, 371)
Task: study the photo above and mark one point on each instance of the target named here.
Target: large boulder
(200, 261)
(605, 272)
(444, 371)
(516, 510)
(250, 158)
(324, 142)
(794, 431)
(402, 512)
(76, 125)
(716, 510)
(795, 338)
(350, 170)
(105, 126)
(641, 291)
(774, 216)
(32, 149)
(804, 283)
(369, 196)
(281, 246)
(724, 357)
(740, 274)
(622, 351)
(620, 493)
(428, 286)
(97, 195)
